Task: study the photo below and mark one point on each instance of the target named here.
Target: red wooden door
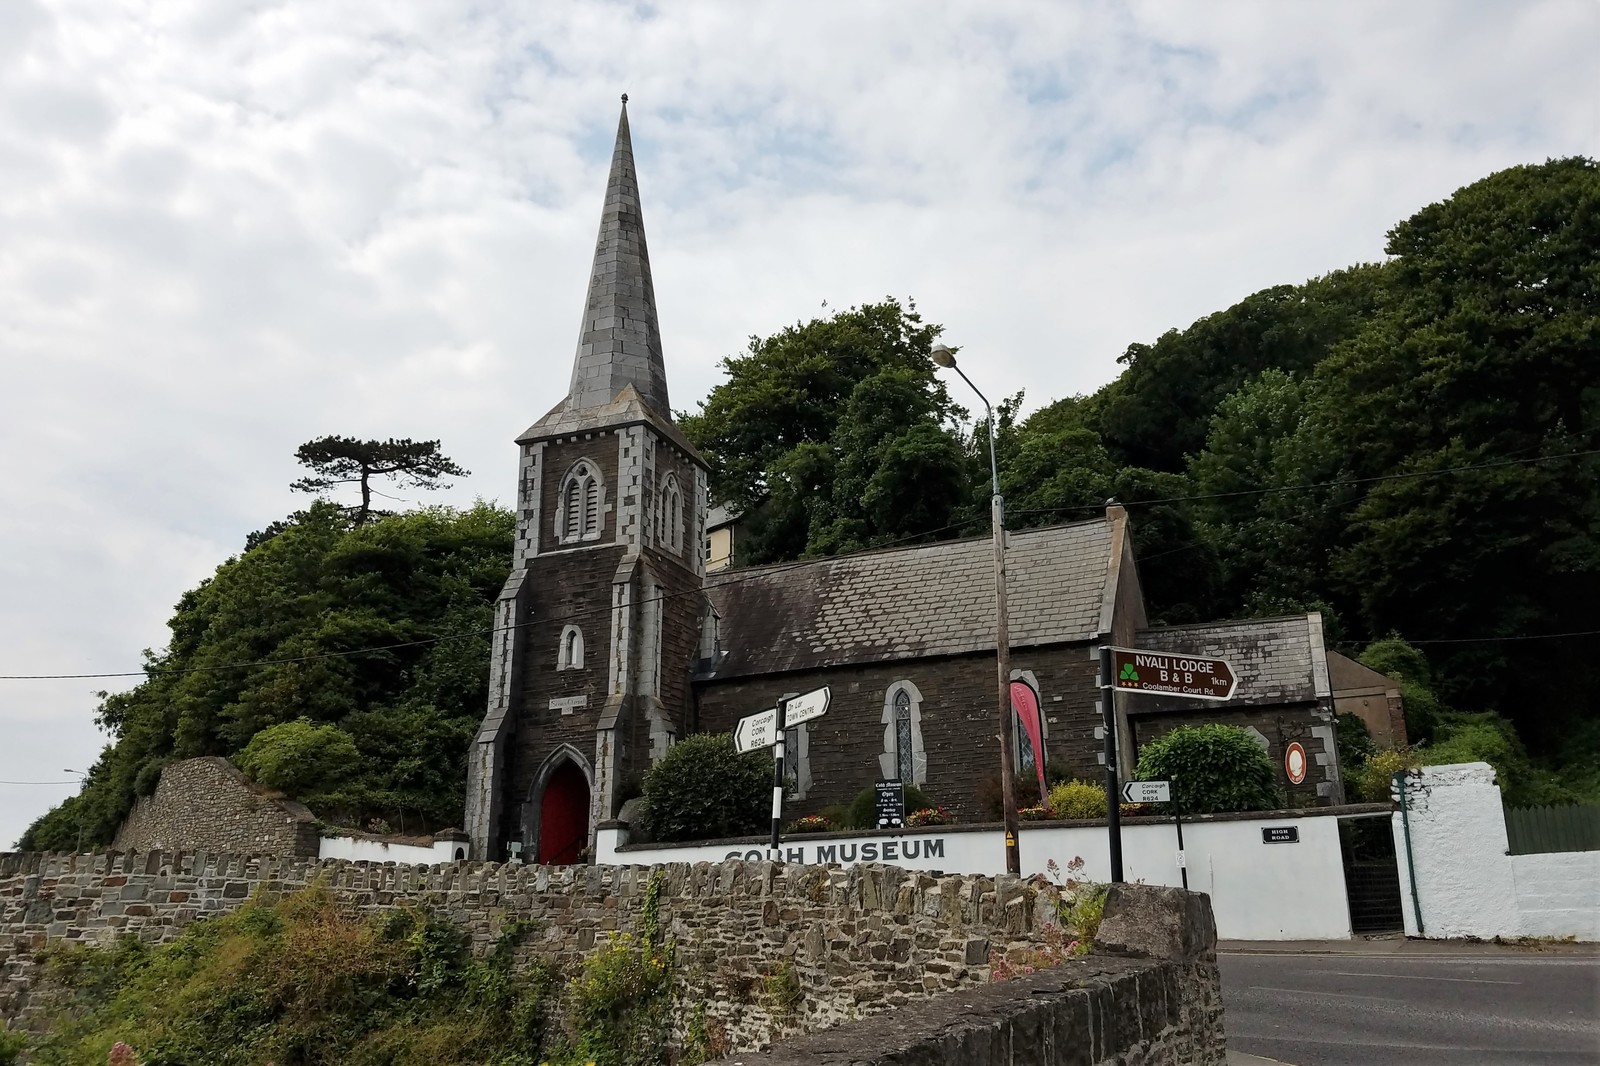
(564, 816)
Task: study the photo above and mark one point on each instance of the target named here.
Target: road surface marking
(1414, 977)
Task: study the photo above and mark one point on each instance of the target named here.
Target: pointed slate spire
(620, 341)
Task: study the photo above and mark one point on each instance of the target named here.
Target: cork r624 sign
(1161, 673)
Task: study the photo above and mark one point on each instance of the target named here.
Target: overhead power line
(767, 570)
(604, 609)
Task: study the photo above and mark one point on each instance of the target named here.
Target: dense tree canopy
(1392, 444)
(834, 435)
(1411, 447)
(293, 606)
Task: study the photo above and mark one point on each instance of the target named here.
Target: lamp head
(944, 355)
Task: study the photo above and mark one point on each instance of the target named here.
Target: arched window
(903, 757)
(582, 504)
(905, 766)
(574, 506)
(570, 656)
(669, 515)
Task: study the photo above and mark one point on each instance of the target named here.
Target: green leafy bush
(300, 758)
(301, 981)
(12, 1045)
(1355, 745)
(863, 809)
(1213, 767)
(313, 589)
(1371, 784)
(1078, 799)
(1491, 738)
(703, 789)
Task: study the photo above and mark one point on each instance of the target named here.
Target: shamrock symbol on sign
(1128, 673)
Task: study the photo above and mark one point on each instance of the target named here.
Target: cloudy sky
(229, 226)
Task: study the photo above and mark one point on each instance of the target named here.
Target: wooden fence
(1536, 830)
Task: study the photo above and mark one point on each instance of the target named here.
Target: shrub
(1057, 772)
(1491, 738)
(300, 758)
(703, 789)
(811, 823)
(1372, 782)
(1078, 799)
(863, 809)
(930, 816)
(1213, 768)
(301, 981)
(12, 1045)
(1355, 744)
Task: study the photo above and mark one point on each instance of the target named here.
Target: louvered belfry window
(574, 509)
(904, 767)
(581, 505)
(591, 508)
(669, 516)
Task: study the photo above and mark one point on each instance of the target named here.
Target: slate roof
(1277, 660)
(906, 603)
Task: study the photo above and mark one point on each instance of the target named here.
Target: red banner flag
(1025, 703)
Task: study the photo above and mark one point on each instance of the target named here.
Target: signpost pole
(1177, 819)
(1108, 713)
(777, 783)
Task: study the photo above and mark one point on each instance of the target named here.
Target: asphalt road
(1474, 1007)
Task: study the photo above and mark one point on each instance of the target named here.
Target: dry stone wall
(207, 803)
(764, 950)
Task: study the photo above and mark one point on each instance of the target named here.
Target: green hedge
(1213, 768)
(703, 789)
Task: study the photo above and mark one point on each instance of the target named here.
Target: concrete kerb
(1405, 946)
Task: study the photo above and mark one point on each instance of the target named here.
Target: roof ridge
(886, 549)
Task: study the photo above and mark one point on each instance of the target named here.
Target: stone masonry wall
(206, 803)
(957, 720)
(858, 941)
(1150, 994)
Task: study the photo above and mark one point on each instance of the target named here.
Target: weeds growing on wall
(1079, 906)
(300, 982)
(11, 1047)
(619, 1007)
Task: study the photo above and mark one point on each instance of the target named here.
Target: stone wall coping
(1364, 810)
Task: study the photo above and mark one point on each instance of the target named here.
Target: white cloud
(226, 228)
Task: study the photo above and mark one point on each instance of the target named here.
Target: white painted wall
(362, 848)
(1258, 891)
(1466, 884)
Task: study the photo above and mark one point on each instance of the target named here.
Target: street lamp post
(945, 356)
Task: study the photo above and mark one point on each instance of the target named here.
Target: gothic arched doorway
(564, 815)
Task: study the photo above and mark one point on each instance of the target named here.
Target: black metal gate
(1371, 877)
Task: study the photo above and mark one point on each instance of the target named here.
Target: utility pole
(945, 356)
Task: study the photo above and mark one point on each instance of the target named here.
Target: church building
(612, 640)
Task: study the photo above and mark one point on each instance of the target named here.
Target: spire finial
(624, 97)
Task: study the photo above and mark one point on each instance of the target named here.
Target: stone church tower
(596, 629)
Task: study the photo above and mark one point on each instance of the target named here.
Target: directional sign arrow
(1162, 673)
(756, 731)
(1147, 792)
(813, 704)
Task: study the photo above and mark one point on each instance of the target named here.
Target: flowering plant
(811, 823)
(930, 816)
(1033, 814)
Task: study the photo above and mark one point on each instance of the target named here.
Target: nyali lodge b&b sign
(1160, 673)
